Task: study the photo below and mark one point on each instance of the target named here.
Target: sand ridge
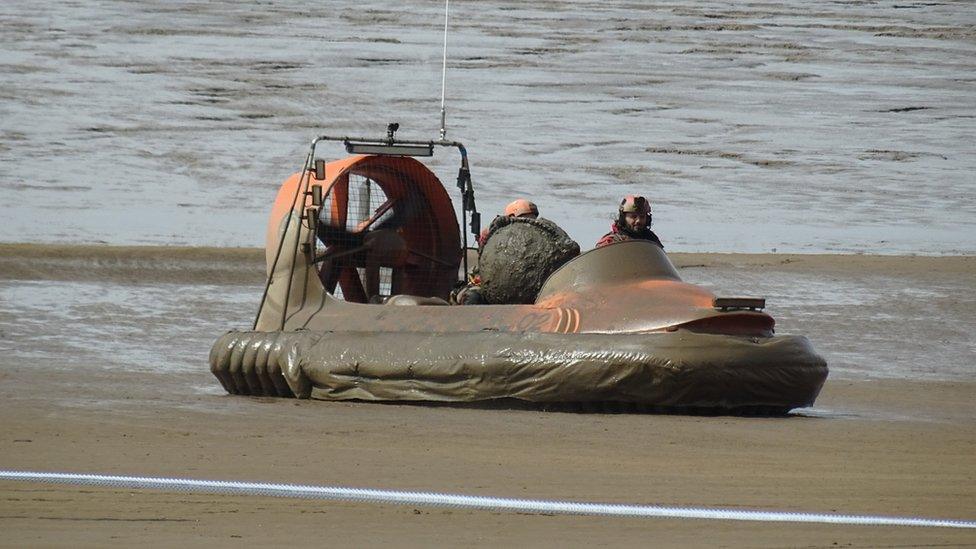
(196, 264)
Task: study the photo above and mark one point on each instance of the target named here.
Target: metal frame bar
(463, 183)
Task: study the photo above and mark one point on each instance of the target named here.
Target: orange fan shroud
(423, 250)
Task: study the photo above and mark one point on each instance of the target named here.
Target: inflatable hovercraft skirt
(679, 371)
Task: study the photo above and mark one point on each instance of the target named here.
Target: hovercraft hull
(676, 371)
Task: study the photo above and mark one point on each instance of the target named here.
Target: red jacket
(617, 234)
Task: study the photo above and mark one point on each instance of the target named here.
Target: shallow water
(781, 126)
(866, 327)
(162, 328)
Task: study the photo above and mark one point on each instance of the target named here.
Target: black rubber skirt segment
(679, 370)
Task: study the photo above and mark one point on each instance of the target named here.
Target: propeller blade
(385, 207)
(372, 276)
(334, 236)
(396, 282)
(406, 208)
(336, 252)
(431, 258)
(334, 231)
(340, 203)
(352, 286)
(329, 275)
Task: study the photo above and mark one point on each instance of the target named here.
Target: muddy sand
(138, 400)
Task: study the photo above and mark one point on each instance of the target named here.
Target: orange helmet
(521, 207)
(635, 204)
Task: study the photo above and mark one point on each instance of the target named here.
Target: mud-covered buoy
(519, 255)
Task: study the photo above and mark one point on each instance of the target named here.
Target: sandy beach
(877, 441)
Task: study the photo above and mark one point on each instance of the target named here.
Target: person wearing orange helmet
(516, 208)
(633, 223)
(522, 208)
(469, 292)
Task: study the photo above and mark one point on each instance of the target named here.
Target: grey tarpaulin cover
(518, 257)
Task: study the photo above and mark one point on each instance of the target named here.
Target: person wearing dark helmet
(633, 223)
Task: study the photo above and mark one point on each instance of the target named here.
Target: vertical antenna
(447, 3)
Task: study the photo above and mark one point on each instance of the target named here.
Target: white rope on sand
(467, 502)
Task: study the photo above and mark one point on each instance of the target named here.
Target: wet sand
(851, 461)
(877, 442)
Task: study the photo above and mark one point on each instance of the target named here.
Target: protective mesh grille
(387, 227)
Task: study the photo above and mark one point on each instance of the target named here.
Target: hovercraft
(363, 254)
